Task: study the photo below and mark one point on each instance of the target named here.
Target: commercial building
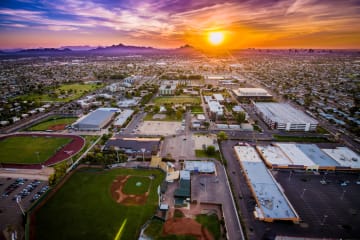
(135, 147)
(252, 93)
(283, 116)
(345, 157)
(94, 121)
(272, 204)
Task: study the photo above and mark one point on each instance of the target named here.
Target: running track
(74, 147)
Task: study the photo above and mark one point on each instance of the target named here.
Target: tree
(156, 109)
(210, 150)
(178, 114)
(206, 124)
(240, 117)
(222, 136)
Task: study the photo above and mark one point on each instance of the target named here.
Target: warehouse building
(94, 121)
(283, 116)
(272, 204)
(252, 93)
(345, 157)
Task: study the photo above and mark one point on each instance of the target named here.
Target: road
(216, 189)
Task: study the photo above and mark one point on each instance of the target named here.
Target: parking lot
(25, 190)
(159, 128)
(325, 209)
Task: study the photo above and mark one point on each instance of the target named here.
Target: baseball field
(52, 123)
(99, 204)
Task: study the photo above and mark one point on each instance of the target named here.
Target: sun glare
(216, 38)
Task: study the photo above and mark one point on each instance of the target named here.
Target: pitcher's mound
(127, 199)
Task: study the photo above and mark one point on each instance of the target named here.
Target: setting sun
(216, 38)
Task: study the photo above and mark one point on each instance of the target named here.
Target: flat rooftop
(274, 155)
(96, 117)
(273, 203)
(295, 154)
(124, 115)
(200, 166)
(317, 155)
(284, 113)
(344, 156)
(251, 92)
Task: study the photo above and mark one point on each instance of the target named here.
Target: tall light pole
(117, 153)
(37, 154)
(303, 192)
(143, 152)
(342, 195)
(290, 175)
(18, 200)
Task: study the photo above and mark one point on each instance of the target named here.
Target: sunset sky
(167, 24)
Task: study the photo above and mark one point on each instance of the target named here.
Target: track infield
(34, 150)
(83, 208)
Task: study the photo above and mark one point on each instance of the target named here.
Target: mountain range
(113, 49)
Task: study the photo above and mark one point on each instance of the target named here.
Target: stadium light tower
(143, 152)
(37, 154)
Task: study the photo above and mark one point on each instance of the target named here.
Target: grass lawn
(22, 149)
(197, 109)
(52, 121)
(84, 209)
(182, 99)
(78, 91)
(202, 154)
(136, 185)
(280, 138)
(211, 223)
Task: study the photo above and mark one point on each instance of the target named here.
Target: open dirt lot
(159, 128)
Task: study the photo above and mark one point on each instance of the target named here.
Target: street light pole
(324, 219)
(18, 200)
(342, 195)
(303, 192)
(143, 152)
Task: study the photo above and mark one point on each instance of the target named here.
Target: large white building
(283, 116)
(252, 93)
(94, 121)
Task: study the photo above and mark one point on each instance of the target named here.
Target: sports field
(52, 123)
(30, 149)
(184, 99)
(84, 207)
(64, 93)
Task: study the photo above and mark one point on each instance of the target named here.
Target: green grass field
(23, 149)
(136, 185)
(202, 154)
(211, 223)
(77, 91)
(183, 99)
(84, 209)
(280, 138)
(52, 121)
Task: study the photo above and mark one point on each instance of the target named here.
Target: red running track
(74, 147)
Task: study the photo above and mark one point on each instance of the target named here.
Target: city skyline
(169, 24)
